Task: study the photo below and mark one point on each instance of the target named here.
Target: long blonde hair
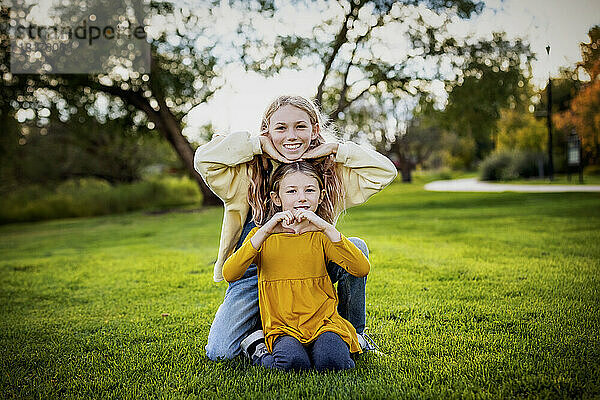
(262, 166)
(324, 210)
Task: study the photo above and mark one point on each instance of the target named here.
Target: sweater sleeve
(236, 265)
(222, 162)
(345, 254)
(364, 172)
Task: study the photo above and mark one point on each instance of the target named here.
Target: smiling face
(291, 131)
(298, 190)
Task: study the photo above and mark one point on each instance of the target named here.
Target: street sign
(574, 155)
(574, 150)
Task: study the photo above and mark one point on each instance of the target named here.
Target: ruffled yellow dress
(296, 296)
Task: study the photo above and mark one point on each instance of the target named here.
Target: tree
(583, 114)
(183, 73)
(495, 77)
(590, 54)
(406, 136)
(115, 151)
(372, 50)
(362, 47)
(519, 130)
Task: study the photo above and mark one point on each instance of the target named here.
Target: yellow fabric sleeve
(236, 265)
(345, 254)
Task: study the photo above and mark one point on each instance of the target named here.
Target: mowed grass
(469, 296)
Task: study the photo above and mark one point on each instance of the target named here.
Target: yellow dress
(296, 296)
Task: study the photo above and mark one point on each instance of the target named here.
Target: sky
(558, 23)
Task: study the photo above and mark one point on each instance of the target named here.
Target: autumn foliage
(583, 115)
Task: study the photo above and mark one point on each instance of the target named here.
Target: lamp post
(549, 121)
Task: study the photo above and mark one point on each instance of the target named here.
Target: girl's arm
(363, 172)
(345, 254)
(222, 162)
(273, 225)
(236, 265)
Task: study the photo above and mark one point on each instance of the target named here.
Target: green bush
(509, 165)
(592, 170)
(525, 164)
(89, 197)
(492, 168)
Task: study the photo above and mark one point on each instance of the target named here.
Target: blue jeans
(327, 352)
(238, 315)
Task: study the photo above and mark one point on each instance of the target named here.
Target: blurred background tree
(377, 56)
(583, 113)
(183, 74)
(495, 77)
(519, 130)
(116, 151)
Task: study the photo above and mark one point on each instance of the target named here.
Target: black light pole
(549, 116)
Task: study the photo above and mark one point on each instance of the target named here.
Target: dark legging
(327, 352)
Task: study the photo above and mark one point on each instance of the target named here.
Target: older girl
(237, 168)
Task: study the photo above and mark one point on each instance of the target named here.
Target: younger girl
(296, 296)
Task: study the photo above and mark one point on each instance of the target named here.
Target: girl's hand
(322, 150)
(271, 151)
(280, 223)
(316, 224)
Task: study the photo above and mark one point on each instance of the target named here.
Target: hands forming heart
(297, 222)
(298, 227)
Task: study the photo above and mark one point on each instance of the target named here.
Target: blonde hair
(324, 210)
(262, 166)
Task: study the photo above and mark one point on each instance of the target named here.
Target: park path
(474, 185)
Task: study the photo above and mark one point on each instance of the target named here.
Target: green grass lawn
(470, 295)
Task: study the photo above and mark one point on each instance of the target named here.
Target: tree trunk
(597, 155)
(170, 127)
(171, 130)
(404, 163)
(406, 170)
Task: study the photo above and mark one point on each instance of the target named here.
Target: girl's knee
(360, 244)
(216, 352)
(330, 352)
(290, 354)
(295, 362)
(332, 362)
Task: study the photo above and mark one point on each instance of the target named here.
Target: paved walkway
(473, 185)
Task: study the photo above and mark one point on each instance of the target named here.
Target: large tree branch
(341, 107)
(343, 102)
(340, 39)
(131, 97)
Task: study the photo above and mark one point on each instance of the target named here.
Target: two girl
(238, 167)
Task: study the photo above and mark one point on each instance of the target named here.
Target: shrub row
(513, 165)
(89, 197)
